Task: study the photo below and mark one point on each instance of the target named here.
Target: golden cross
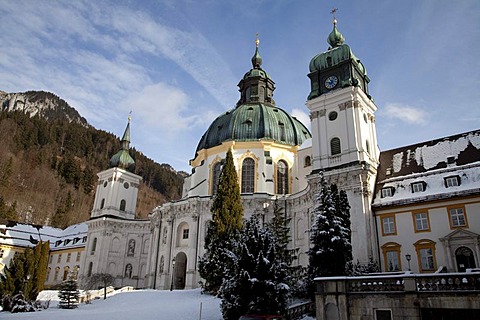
(257, 41)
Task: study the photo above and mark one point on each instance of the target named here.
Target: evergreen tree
(227, 215)
(330, 234)
(281, 231)
(8, 212)
(256, 281)
(68, 294)
(14, 277)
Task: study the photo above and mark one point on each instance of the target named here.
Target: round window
(332, 115)
(126, 185)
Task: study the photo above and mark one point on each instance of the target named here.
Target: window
(69, 256)
(387, 192)
(335, 146)
(332, 115)
(59, 258)
(383, 314)
(217, 169)
(367, 145)
(248, 175)
(282, 131)
(66, 270)
(79, 254)
(185, 233)
(50, 258)
(453, 181)
(49, 270)
(57, 271)
(421, 221)
(123, 204)
(426, 255)
(102, 204)
(307, 162)
(90, 267)
(391, 256)
(388, 226)
(457, 217)
(94, 246)
(418, 186)
(2, 253)
(282, 177)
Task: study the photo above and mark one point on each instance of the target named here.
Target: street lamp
(173, 271)
(408, 257)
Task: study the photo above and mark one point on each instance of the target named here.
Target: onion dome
(256, 117)
(339, 62)
(122, 158)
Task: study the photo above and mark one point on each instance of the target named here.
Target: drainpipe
(378, 243)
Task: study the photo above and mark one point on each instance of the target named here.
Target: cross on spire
(333, 12)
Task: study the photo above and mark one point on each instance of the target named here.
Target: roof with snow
(27, 235)
(428, 170)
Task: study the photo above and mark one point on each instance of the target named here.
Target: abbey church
(415, 208)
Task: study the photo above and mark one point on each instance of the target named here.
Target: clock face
(331, 82)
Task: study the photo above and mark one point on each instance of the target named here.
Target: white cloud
(302, 116)
(405, 113)
(162, 107)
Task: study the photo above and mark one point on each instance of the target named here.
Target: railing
(437, 282)
(298, 310)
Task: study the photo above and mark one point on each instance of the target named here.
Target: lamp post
(173, 272)
(408, 257)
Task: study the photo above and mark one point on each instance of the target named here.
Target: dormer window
(387, 192)
(452, 181)
(418, 186)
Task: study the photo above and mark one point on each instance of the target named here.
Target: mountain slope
(49, 158)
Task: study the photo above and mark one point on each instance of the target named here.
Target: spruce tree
(222, 231)
(68, 294)
(330, 234)
(256, 281)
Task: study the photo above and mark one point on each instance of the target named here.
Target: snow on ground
(132, 305)
(137, 305)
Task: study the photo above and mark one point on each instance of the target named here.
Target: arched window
(307, 162)
(102, 204)
(94, 246)
(368, 146)
(90, 267)
(335, 146)
(282, 131)
(282, 177)
(217, 169)
(123, 204)
(248, 175)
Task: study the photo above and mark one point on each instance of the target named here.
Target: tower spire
(335, 38)
(257, 59)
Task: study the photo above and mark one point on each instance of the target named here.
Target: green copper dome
(122, 158)
(256, 117)
(253, 122)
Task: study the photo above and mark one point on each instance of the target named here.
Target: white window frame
(427, 259)
(389, 225)
(452, 181)
(457, 214)
(387, 192)
(421, 221)
(418, 187)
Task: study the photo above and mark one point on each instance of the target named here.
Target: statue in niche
(131, 247)
(162, 264)
(128, 271)
(164, 240)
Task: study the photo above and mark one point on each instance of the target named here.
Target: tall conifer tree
(330, 234)
(222, 232)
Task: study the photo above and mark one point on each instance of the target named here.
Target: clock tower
(344, 142)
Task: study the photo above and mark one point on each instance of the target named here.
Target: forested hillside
(48, 170)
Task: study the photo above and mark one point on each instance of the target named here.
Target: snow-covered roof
(429, 163)
(27, 235)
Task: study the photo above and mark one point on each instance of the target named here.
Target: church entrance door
(180, 270)
(465, 259)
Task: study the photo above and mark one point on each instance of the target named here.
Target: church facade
(412, 208)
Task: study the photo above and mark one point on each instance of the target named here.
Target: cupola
(122, 158)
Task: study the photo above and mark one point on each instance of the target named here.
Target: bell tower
(344, 141)
(117, 187)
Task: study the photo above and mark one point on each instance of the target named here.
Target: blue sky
(176, 63)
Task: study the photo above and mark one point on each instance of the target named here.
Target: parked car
(261, 317)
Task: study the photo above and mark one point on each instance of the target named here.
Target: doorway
(180, 271)
(465, 259)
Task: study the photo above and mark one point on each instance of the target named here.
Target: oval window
(126, 185)
(332, 115)
(105, 184)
